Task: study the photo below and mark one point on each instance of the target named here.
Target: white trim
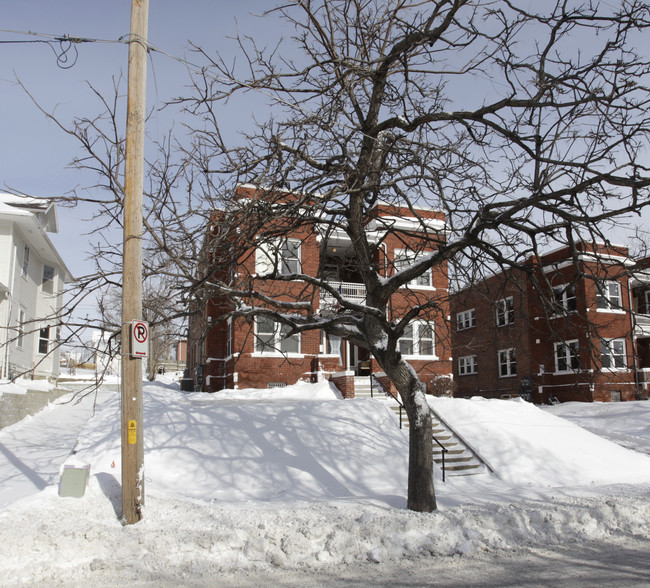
(511, 352)
(416, 341)
(567, 356)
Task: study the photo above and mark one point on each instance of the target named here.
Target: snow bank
(625, 423)
(21, 386)
(240, 482)
(210, 447)
(76, 542)
(526, 445)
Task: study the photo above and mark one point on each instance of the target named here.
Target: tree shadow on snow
(112, 489)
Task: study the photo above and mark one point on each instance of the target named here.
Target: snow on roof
(14, 202)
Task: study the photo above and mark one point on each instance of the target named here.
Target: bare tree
(525, 126)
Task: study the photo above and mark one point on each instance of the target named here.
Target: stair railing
(375, 383)
(444, 450)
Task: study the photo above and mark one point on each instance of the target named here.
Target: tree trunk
(421, 494)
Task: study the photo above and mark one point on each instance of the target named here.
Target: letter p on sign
(139, 339)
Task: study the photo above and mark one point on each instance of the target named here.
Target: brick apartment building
(589, 340)
(240, 353)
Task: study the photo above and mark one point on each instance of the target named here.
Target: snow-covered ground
(302, 487)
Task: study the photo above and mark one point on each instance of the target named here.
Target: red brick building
(257, 353)
(570, 327)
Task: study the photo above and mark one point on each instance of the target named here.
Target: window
(48, 279)
(466, 319)
(25, 260)
(467, 365)
(273, 337)
(21, 329)
(43, 340)
(608, 295)
(567, 357)
(404, 259)
(507, 363)
(505, 311)
(612, 353)
(417, 339)
(283, 256)
(565, 298)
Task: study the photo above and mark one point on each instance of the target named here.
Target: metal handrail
(444, 450)
(375, 381)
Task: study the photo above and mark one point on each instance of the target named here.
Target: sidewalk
(32, 450)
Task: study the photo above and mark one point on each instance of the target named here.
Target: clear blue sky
(34, 153)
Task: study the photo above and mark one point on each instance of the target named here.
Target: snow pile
(524, 444)
(246, 481)
(212, 448)
(626, 423)
(21, 386)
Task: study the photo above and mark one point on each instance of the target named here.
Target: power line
(63, 46)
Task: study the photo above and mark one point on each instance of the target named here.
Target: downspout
(635, 358)
(5, 366)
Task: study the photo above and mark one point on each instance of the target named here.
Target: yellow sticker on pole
(133, 432)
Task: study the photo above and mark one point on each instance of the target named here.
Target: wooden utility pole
(132, 430)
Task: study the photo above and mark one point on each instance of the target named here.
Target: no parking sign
(139, 339)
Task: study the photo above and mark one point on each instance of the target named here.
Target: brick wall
(344, 381)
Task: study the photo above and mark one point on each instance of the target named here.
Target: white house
(32, 280)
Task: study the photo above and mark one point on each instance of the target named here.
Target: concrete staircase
(460, 459)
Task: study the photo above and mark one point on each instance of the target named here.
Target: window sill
(277, 354)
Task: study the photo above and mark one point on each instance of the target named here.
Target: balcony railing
(348, 290)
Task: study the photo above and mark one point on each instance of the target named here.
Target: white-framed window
(467, 365)
(567, 356)
(466, 319)
(565, 297)
(612, 353)
(608, 295)
(507, 363)
(505, 311)
(418, 340)
(283, 256)
(25, 260)
(273, 337)
(47, 285)
(20, 337)
(44, 340)
(405, 258)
